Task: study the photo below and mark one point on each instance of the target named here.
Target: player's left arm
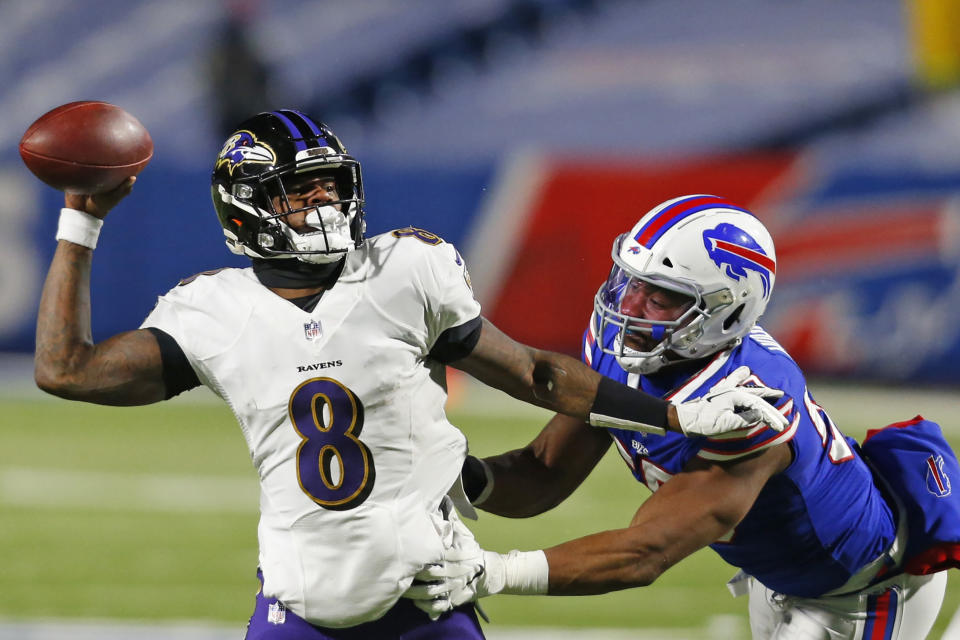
(566, 385)
(546, 379)
(692, 510)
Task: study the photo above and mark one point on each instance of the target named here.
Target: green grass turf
(131, 563)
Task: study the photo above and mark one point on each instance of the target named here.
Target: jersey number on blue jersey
(830, 437)
(334, 467)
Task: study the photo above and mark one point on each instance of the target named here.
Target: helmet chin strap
(634, 362)
(642, 365)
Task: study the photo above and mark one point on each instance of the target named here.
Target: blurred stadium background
(529, 133)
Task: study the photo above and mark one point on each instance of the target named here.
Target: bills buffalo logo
(735, 252)
(635, 249)
(938, 483)
(244, 148)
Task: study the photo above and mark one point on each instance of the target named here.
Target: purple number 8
(333, 466)
(420, 234)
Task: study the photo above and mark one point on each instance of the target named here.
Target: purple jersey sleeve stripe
(670, 216)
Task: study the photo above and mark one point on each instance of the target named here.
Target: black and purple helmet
(257, 165)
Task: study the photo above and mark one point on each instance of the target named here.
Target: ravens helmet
(260, 164)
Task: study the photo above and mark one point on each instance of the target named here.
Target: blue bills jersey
(814, 525)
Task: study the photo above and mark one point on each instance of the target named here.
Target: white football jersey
(343, 413)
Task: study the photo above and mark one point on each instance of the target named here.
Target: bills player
(330, 350)
(819, 543)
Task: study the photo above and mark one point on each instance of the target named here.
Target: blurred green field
(150, 514)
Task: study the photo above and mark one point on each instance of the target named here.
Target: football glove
(438, 588)
(469, 574)
(731, 405)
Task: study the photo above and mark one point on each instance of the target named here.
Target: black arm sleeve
(474, 478)
(178, 375)
(620, 402)
(457, 342)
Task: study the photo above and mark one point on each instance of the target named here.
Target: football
(86, 147)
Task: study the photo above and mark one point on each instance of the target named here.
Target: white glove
(728, 406)
(468, 573)
(438, 588)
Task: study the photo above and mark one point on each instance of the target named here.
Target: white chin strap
(640, 362)
(336, 242)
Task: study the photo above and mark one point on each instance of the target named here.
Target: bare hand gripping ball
(86, 147)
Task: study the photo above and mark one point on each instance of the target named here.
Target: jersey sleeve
(192, 325)
(178, 375)
(737, 444)
(733, 445)
(448, 291)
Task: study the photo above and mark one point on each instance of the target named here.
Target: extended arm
(123, 370)
(566, 385)
(547, 379)
(540, 476)
(692, 510)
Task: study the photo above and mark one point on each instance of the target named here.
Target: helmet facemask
(644, 345)
(715, 253)
(324, 227)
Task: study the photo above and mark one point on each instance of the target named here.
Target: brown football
(86, 147)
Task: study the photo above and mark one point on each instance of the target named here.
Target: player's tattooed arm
(126, 369)
(551, 380)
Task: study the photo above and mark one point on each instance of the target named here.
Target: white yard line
(952, 632)
(56, 488)
(106, 630)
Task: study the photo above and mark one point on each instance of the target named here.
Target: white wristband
(518, 572)
(79, 227)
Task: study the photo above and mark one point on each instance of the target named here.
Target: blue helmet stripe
(307, 121)
(298, 141)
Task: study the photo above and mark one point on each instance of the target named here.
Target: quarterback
(330, 350)
(833, 540)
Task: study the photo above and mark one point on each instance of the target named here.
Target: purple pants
(403, 622)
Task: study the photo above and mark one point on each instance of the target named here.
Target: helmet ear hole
(667, 262)
(732, 318)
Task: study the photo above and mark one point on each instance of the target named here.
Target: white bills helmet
(718, 254)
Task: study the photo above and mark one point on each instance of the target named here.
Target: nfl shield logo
(276, 613)
(312, 330)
